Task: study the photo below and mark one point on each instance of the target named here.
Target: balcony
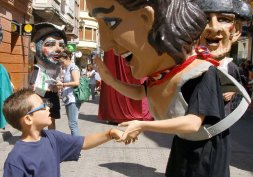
(57, 12)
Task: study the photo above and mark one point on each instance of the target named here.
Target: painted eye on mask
(112, 23)
(53, 43)
(225, 20)
(50, 44)
(221, 20)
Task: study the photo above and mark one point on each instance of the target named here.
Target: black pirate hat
(44, 29)
(241, 9)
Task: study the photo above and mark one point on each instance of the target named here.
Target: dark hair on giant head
(177, 24)
(16, 106)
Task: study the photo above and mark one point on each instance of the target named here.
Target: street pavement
(145, 158)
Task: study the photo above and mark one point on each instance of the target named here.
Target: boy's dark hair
(17, 106)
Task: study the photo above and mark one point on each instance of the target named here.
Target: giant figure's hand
(115, 134)
(103, 71)
(133, 129)
(228, 96)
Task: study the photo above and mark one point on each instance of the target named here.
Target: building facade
(14, 47)
(88, 36)
(59, 12)
(14, 51)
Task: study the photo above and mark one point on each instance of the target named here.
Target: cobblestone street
(145, 158)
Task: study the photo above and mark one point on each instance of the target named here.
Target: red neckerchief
(163, 75)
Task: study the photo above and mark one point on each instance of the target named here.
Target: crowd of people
(180, 47)
(31, 110)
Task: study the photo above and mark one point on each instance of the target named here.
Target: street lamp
(81, 25)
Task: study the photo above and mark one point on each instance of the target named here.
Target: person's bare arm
(136, 92)
(94, 140)
(91, 74)
(75, 74)
(183, 124)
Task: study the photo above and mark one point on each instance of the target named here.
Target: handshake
(130, 135)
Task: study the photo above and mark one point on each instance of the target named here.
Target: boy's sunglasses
(43, 106)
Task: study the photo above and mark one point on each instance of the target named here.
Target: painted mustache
(54, 56)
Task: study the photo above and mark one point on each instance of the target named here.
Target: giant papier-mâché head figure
(48, 40)
(148, 33)
(224, 26)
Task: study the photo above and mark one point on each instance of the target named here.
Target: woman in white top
(70, 80)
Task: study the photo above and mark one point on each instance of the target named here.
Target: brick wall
(14, 48)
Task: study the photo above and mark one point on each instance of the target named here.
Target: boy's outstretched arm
(93, 140)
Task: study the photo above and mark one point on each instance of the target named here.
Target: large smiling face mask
(225, 24)
(176, 24)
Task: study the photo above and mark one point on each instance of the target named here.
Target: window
(82, 5)
(94, 35)
(88, 34)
